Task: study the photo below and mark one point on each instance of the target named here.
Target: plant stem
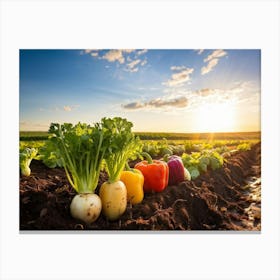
(148, 157)
(127, 167)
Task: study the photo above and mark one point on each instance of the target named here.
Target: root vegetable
(86, 207)
(82, 148)
(114, 199)
(123, 145)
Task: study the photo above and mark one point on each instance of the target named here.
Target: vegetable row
(84, 150)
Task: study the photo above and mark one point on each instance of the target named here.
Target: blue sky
(158, 90)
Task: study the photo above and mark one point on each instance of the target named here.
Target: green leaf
(214, 163)
(204, 160)
(81, 149)
(123, 145)
(194, 173)
(25, 158)
(203, 167)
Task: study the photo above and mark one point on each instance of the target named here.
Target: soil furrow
(217, 200)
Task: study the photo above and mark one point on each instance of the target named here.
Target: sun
(216, 117)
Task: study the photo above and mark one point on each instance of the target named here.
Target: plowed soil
(224, 199)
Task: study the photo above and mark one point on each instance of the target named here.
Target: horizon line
(170, 132)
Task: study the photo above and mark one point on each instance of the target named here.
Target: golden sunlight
(216, 117)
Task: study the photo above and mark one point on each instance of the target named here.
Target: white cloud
(200, 51)
(133, 105)
(144, 62)
(67, 108)
(118, 55)
(215, 54)
(240, 92)
(142, 52)
(90, 51)
(131, 70)
(211, 64)
(205, 91)
(121, 56)
(178, 102)
(128, 50)
(212, 60)
(114, 55)
(161, 102)
(244, 86)
(177, 68)
(181, 98)
(133, 63)
(180, 77)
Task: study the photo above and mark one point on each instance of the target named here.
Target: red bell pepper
(156, 173)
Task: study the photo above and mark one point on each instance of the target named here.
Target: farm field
(228, 198)
(237, 136)
(140, 139)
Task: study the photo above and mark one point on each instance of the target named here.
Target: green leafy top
(50, 155)
(25, 158)
(123, 145)
(199, 162)
(82, 148)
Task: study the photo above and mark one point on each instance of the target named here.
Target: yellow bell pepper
(134, 181)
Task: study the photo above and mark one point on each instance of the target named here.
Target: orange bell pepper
(156, 173)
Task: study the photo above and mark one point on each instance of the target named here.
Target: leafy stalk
(82, 148)
(123, 146)
(49, 155)
(25, 158)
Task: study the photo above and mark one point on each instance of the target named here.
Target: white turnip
(86, 207)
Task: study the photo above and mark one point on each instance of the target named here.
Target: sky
(159, 90)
